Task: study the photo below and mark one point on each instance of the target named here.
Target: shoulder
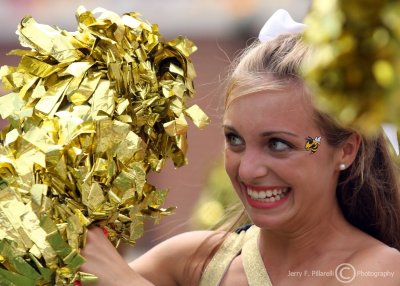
(172, 258)
(377, 255)
(377, 264)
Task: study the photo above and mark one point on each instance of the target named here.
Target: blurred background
(220, 29)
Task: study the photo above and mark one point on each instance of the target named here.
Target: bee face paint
(312, 144)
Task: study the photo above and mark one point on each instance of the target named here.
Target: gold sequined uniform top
(246, 244)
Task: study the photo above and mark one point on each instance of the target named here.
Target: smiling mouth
(271, 195)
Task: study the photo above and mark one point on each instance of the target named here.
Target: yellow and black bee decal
(312, 144)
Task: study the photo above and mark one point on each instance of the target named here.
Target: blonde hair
(279, 59)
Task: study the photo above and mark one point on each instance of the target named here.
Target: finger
(77, 283)
(95, 232)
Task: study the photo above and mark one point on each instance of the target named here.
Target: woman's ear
(349, 149)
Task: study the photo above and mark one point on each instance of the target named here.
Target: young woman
(322, 216)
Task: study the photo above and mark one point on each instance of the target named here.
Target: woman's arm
(167, 264)
(176, 259)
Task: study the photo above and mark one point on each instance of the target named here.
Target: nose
(252, 165)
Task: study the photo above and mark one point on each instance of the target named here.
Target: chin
(269, 223)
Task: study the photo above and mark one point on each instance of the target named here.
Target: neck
(294, 248)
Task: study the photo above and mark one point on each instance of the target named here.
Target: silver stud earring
(342, 167)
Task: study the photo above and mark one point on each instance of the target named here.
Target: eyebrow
(264, 134)
(229, 127)
(271, 133)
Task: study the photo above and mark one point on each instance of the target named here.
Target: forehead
(287, 109)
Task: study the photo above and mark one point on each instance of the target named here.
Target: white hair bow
(281, 23)
(278, 24)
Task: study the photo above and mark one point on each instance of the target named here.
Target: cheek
(231, 164)
(318, 171)
(298, 170)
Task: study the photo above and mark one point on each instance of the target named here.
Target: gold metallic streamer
(356, 62)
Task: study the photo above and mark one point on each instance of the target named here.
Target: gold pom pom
(91, 114)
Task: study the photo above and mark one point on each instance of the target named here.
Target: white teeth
(267, 196)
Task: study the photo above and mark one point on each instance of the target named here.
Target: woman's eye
(278, 145)
(233, 139)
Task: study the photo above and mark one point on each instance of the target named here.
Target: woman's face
(281, 184)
